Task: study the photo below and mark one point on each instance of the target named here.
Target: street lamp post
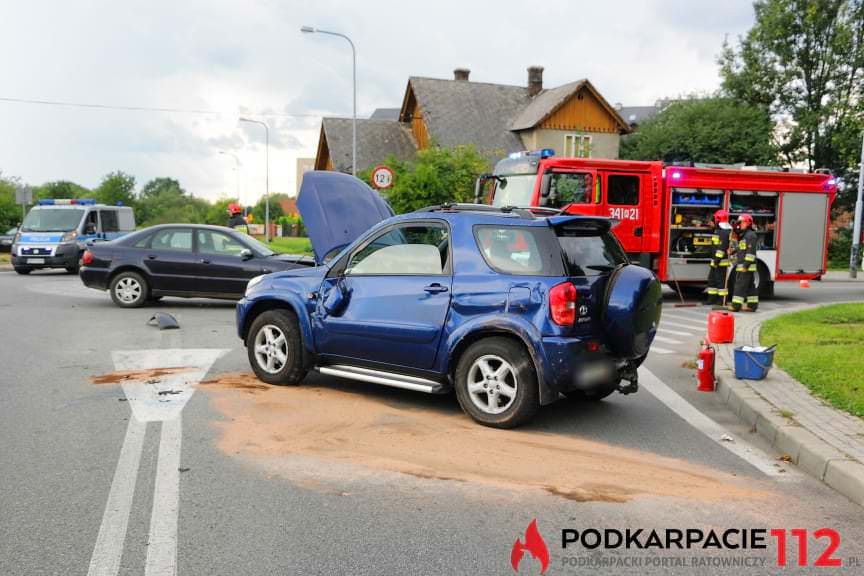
(312, 30)
(237, 169)
(267, 176)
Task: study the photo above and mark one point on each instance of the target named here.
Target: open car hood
(337, 209)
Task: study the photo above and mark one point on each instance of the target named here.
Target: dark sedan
(7, 239)
(185, 260)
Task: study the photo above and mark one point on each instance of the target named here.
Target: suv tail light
(562, 304)
(87, 258)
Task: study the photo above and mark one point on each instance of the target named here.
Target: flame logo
(534, 544)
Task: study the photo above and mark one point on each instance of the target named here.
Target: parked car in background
(55, 233)
(508, 307)
(7, 239)
(185, 260)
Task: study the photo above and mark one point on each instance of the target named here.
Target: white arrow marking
(149, 406)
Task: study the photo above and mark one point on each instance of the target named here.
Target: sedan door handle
(435, 288)
(266, 271)
(152, 256)
(205, 261)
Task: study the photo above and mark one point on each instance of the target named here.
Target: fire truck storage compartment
(690, 231)
(802, 235)
(762, 206)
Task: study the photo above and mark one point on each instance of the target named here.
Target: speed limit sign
(382, 177)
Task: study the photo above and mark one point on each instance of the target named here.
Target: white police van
(55, 232)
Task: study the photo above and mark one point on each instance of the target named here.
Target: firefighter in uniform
(236, 220)
(745, 266)
(717, 289)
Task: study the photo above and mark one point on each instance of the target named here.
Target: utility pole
(313, 30)
(237, 170)
(856, 229)
(267, 177)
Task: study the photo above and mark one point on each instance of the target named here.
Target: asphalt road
(270, 512)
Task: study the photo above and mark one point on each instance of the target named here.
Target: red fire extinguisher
(705, 368)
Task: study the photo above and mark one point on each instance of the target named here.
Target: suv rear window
(589, 251)
(524, 251)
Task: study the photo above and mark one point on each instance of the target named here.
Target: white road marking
(665, 340)
(162, 542)
(147, 403)
(691, 314)
(758, 459)
(108, 550)
(675, 332)
(664, 322)
(149, 406)
(696, 323)
(658, 350)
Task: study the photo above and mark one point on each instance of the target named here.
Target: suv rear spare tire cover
(634, 300)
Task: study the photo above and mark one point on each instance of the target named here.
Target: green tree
(803, 60)
(711, 130)
(163, 200)
(10, 213)
(116, 187)
(259, 210)
(437, 175)
(60, 189)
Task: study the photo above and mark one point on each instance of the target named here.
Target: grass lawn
(289, 245)
(823, 349)
(5, 258)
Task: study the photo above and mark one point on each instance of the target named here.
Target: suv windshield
(514, 190)
(52, 220)
(589, 251)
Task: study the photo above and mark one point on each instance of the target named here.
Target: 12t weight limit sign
(382, 177)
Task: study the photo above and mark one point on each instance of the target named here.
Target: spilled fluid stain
(345, 426)
(152, 374)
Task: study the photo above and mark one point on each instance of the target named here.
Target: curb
(808, 452)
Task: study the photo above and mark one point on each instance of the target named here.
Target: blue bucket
(751, 365)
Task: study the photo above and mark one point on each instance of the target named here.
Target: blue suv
(509, 308)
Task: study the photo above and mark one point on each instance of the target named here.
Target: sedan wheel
(129, 290)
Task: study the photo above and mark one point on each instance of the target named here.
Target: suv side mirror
(246, 254)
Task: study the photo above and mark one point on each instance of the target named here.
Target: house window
(577, 146)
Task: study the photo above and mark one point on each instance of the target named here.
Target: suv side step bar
(385, 378)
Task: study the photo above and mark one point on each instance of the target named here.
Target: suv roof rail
(529, 212)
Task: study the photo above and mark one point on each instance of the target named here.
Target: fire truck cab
(665, 213)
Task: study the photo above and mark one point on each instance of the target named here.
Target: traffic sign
(24, 195)
(382, 177)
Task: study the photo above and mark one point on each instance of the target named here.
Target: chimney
(535, 80)
(461, 74)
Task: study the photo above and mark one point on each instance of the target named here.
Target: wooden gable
(323, 161)
(585, 111)
(411, 112)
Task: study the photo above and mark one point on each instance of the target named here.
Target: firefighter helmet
(745, 219)
(234, 209)
(721, 216)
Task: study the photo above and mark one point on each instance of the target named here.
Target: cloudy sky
(248, 57)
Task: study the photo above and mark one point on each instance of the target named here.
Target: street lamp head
(307, 29)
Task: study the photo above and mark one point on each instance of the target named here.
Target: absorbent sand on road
(343, 426)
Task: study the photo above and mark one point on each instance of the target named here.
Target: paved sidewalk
(823, 441)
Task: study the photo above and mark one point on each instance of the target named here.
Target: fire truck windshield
(514, 189)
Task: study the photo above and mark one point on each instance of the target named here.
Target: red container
(721, 327)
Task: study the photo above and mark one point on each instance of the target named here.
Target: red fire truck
(665, 212)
